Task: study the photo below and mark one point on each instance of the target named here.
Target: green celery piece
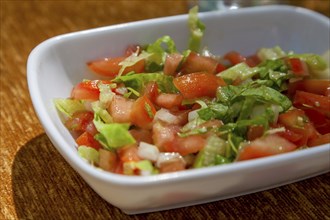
(113, 135)
(88, 153)
(207, 156)
(69, 106)
(197, 29)
(241, 70)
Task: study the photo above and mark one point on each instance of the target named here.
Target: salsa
(158, 110)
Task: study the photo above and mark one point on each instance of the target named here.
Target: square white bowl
(57, 64)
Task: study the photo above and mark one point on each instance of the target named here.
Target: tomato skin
(143, 112)
(151, 91)
(110, 66)
(169, 101)
(320, 103)
(253, 60)
(88, 140)
(81, 122)
(255, 132)
(319, 120)
(322, 139)
(234, 57)
(265, 146)
(141, 135)
(86, 90)
(186, 145)
(199, 84)
(299, 129)
(298, 66)
(197, 63)
(317, 86)
(163, 134)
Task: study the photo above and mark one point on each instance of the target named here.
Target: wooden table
(36, 182)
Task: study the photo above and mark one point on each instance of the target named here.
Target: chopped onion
(166, 157)
(148, 151)
(165, 116)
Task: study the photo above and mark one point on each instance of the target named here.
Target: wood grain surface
(37, 183)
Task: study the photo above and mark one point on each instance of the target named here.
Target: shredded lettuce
(139, 81)
(144, 167)
(273, 53)
(241, 71)
(131, 60)
(113, 135)
(69, 106)
(197, 29)
(88, 153)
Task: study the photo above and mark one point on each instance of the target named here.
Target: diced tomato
(143, 112)
(322, 139)
(320, 103)
(162, 134)
(252, 60)
(220, 68)
(255, 132)
(197, 63)
(110, 67)
(131, 49)
(300, 129)
(120, 109)
(172, 166)
(82, 121)
(234, 57)
(108, 160)
(200, 84)
(172, 63)
(319, 120)
(298, 66)
(317, 86)
(128, 153)
(265, 146)
(169, 101)
(86, 90)
(151, 91)
(88, 140)
(186, 145)
(141, 135)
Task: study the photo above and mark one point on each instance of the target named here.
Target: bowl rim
(79, 164)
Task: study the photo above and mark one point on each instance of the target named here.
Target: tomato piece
(234, 57)
(132, 49)
(317, 86)
(166, 100)
(86, 90)
(252, 60)
(120, 109)
(186, 145)
(300, 129)
(141, 135)
(197, 63)
(220, 68)
(320, 103)
(128, 153)
(320, 140)
(172, 166)
(196, 85)
(151, 91)
(319, 120)
(255, 132)
(111, 66)
(172, 63)
(108, 160)
(88, 140)
(143, 112)
(162, 134)
(298, 66)
(266, 146)
(81, 122)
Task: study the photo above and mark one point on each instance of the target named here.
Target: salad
(159, 110)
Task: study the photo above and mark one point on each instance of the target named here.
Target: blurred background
(321, 6)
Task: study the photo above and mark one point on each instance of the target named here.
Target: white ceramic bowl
(57, 64)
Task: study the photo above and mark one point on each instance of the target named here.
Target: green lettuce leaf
(197, 29)
(69, 106)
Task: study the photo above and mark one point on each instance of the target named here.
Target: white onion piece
(167, 157)
(165, 116)
(148, 151)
